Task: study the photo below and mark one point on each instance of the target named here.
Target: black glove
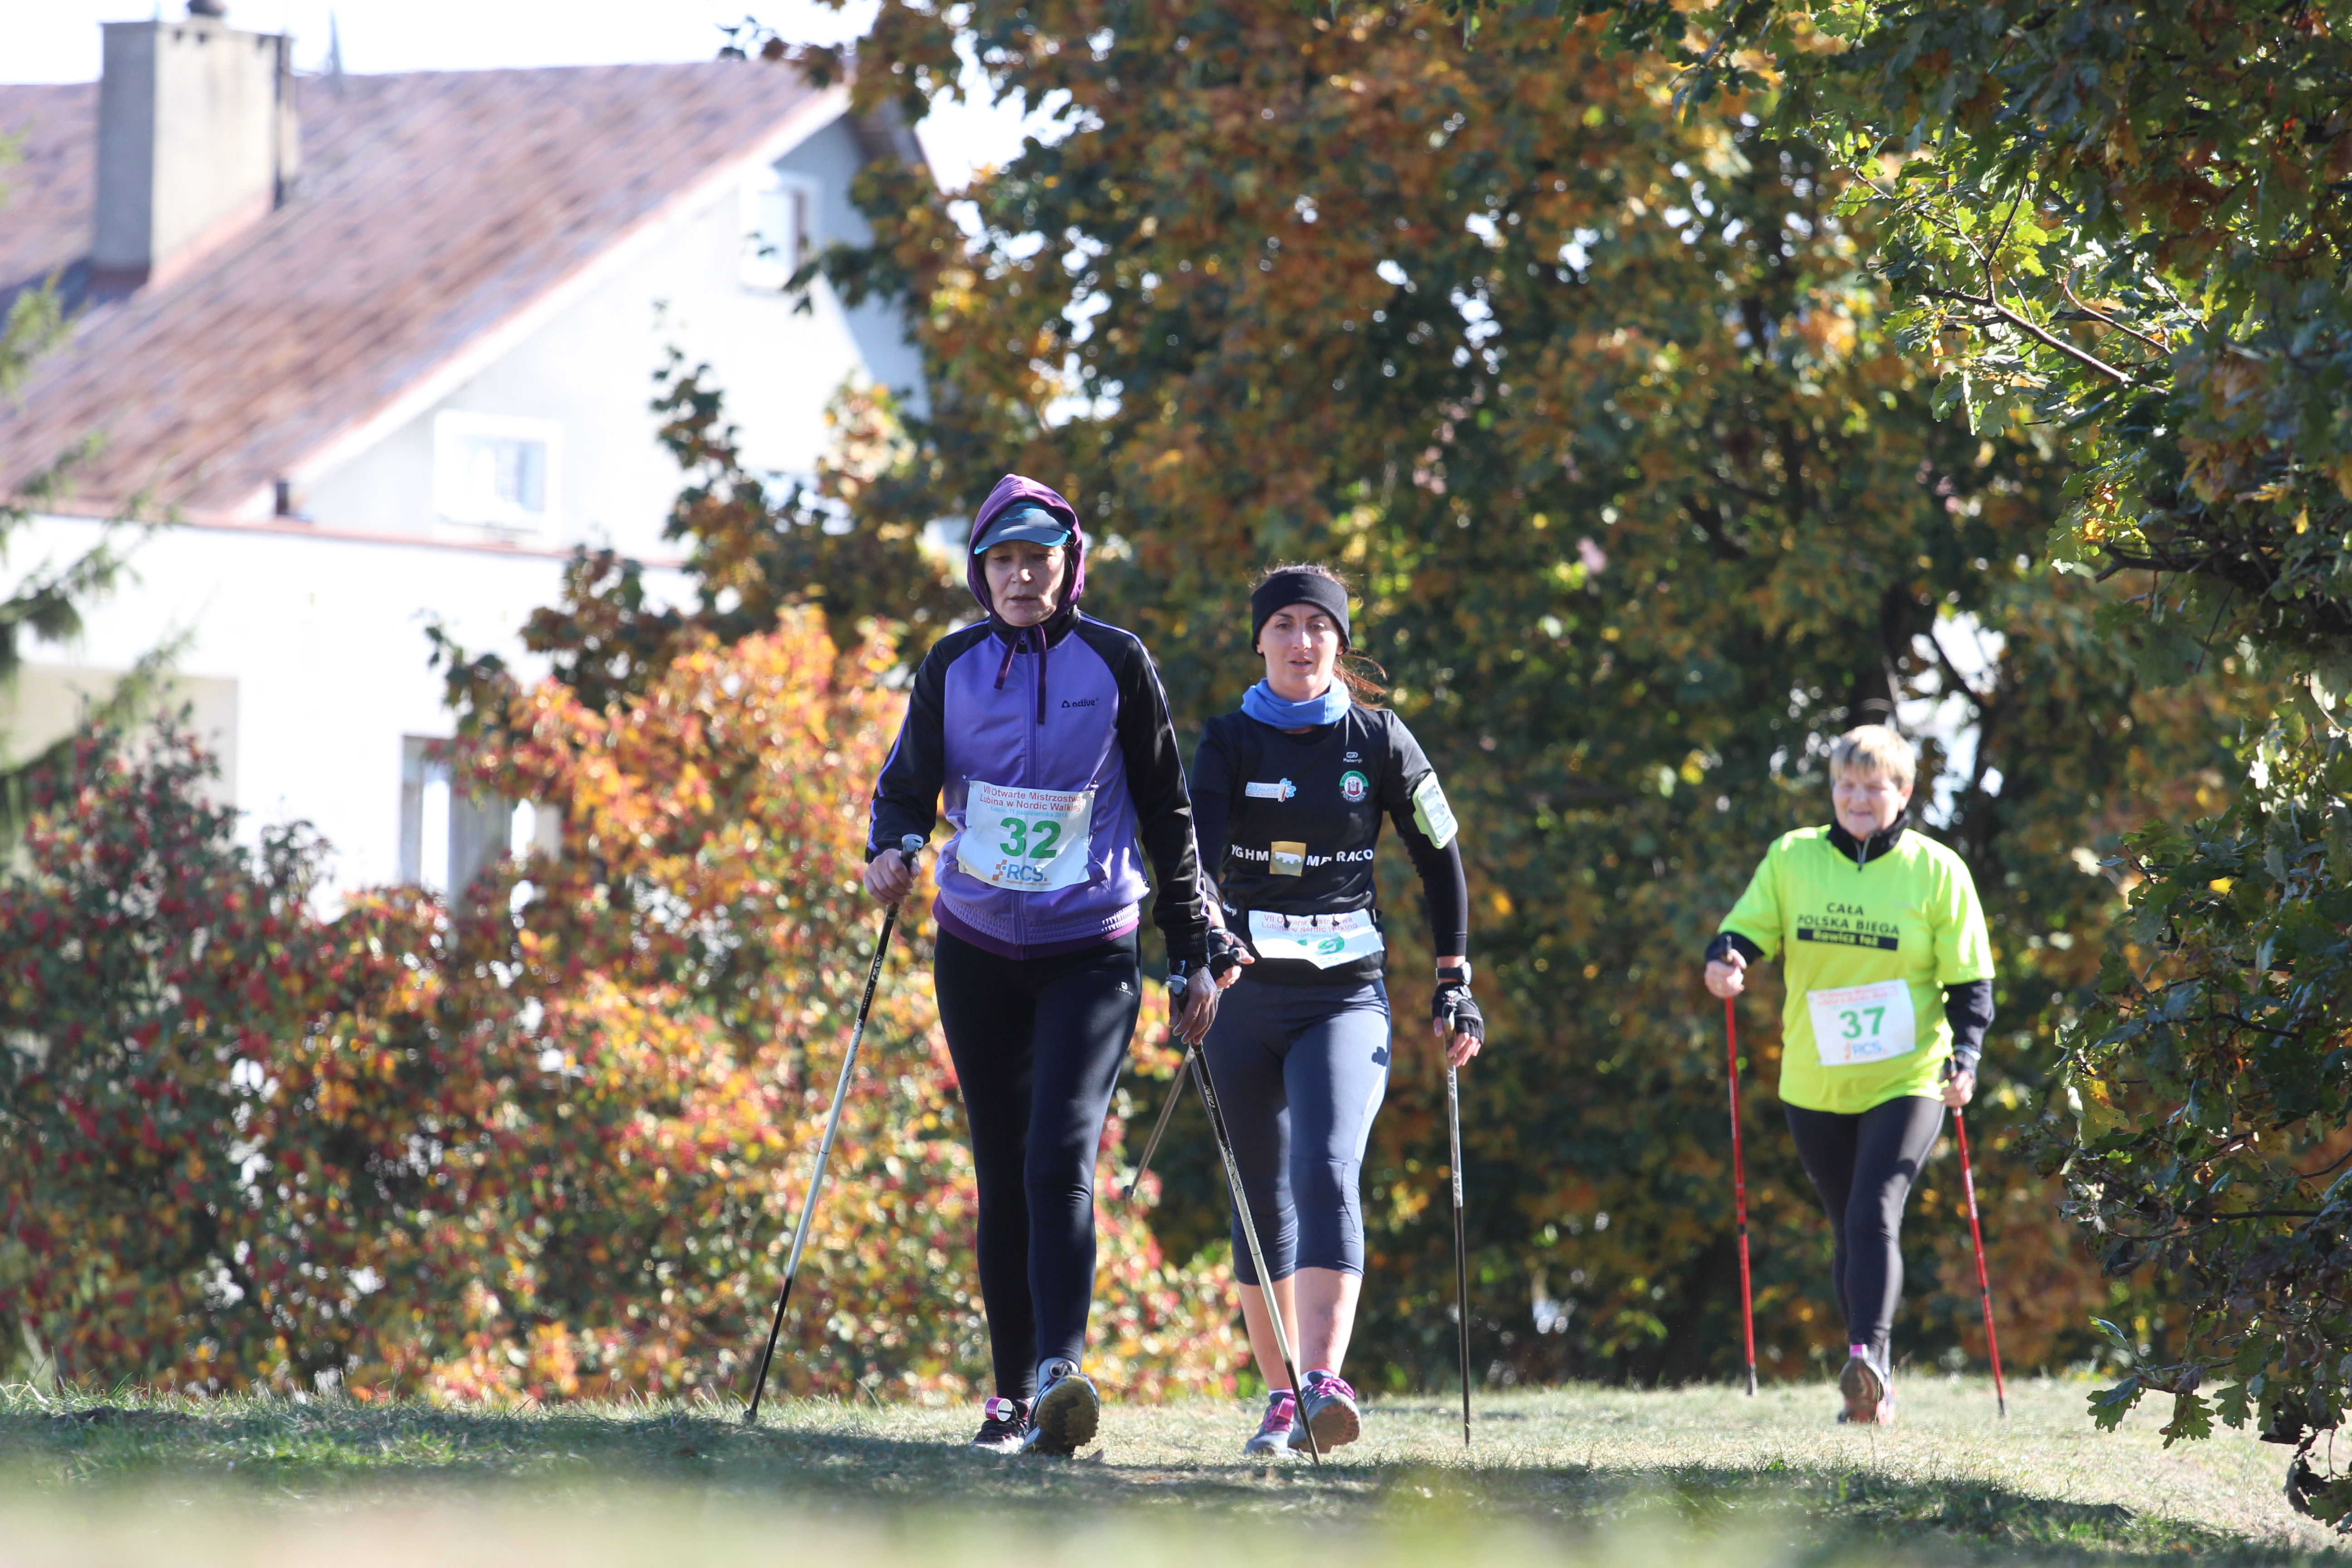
(1226, 953)
(1455, 1013)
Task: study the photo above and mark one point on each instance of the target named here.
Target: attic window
(494, 471)
(779, 213)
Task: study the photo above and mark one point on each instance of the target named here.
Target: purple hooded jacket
(1071, 705)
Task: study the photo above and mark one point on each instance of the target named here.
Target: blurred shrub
(545, 1139)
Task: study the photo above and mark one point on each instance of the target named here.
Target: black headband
(1292, 586)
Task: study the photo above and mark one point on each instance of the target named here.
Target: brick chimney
(196, 141)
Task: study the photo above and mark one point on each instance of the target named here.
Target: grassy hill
(1693, 1477)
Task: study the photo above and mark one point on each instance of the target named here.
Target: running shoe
(1003, 1425)
(1067, 1411)
(1272, 1439)
(1869, 1393)
(1330, 1412)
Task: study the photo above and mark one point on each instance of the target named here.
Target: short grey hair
(1875, 749)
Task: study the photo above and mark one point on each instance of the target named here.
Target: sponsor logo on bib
(1354, 787)
(1281, 789)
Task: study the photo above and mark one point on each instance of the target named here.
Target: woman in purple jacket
(1043, 737)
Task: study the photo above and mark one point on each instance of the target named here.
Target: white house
(380, 349)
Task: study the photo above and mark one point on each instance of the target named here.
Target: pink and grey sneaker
(1868, 1392)
(1329, 1412)
(1003, 1422)
(1272, 1439)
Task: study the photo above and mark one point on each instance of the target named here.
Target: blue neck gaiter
(1260, 704)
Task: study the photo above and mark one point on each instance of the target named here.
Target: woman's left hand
(1959, 1088)
(1200, 1009)
(1460, 1046)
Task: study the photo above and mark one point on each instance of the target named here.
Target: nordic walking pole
(1249, 1229)
(1739, 1190)
(1167, 1109)
(1975, 1234)
(1461, 1251)
(908, 849)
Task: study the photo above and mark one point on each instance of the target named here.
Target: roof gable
(433, 208)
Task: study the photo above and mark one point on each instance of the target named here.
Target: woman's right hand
(888, 877)
(1727, 976)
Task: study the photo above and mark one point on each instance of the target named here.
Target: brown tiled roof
(432, 207)
(45, 195)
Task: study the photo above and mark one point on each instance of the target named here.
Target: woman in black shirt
(1287, 797)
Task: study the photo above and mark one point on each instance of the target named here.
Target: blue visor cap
(1028, 524)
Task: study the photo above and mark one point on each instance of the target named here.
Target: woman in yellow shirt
(1889, 976)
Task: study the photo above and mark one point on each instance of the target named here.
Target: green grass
(1691, 1477)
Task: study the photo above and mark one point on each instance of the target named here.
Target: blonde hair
(1875, 749)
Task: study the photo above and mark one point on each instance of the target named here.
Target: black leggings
(1037, 1044)
(1300, 1070)
(1863, 1167)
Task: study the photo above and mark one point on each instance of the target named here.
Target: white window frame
(453, 499)
(758, 268)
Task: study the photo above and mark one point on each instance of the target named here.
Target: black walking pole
(1249, 1230)
(1167, 1109)
(910, 848)
(1461, 1248)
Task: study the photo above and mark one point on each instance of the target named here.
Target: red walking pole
(1739, 1192)
(1975, 1234)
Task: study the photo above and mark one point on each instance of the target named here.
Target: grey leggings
(1300, 1070)
(1863, 1167)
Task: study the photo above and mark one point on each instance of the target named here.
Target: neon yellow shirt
(1852, 1036)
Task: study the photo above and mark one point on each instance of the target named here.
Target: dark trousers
(1863, 1167)
(1300, 1071)
(1037, 1044)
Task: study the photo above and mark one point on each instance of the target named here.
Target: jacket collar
(1054, 628)
(1863, 851)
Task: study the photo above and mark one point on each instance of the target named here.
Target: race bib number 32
(1029, 840)
(1854, 1025)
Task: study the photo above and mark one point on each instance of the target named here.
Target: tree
(2126, 224)
(1647, 502)
(46, 601)
(548, 1137)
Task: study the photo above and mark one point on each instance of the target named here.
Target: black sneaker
(1066, 1413)
(1003, 1422)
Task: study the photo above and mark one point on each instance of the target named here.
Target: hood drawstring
(1020, 644)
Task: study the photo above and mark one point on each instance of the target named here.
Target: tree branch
(2066, 282)
(2042, 335)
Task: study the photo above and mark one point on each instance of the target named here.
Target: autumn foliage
(1598, 396)
(546, 1139)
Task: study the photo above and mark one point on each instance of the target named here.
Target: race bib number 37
(1854, 1025)
(1029, 840)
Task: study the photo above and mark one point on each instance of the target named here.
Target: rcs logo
(1011, 870)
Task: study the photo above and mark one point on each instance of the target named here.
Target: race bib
(1854, 1025)
(1322, 941)
(1029, 840)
